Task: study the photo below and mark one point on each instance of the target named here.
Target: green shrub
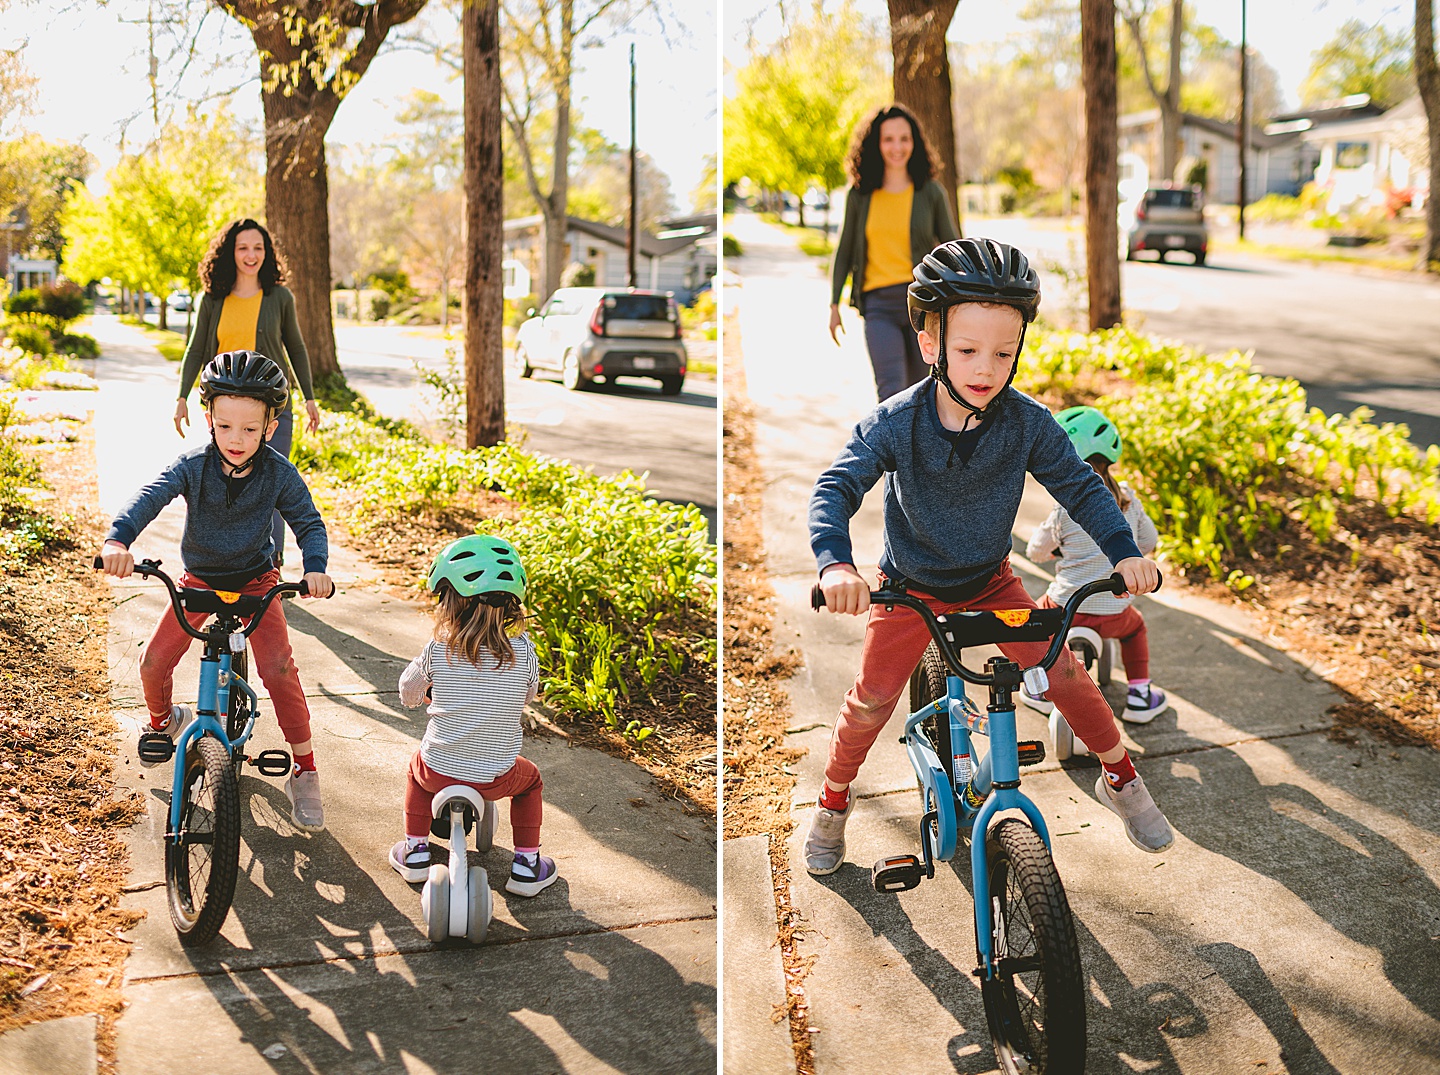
(517, 311)
(78, 344)
(730, 246)
(32, 339)
(1275, 207)
(24, 302)
(24, 532)
(379, 307)
(578, 274)
(65, 301)
(396, 284)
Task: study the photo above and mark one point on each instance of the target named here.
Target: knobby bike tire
(200, 866)
(239, 712)
(1037, 1013)
(927, 683)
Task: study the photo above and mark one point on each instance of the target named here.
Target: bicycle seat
(965, 629)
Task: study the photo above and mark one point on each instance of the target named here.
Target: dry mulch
(758, 780)
(63, 864)
(680, 755)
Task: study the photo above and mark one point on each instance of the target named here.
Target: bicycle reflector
(896, 873)
(156, 748)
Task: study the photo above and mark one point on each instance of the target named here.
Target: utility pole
(1242, 134)
(633, 239)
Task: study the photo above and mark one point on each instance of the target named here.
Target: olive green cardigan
(930, 225)
(276, 325)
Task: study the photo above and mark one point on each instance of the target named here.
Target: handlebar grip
(99, 564)
(304, 590)
(1118, 587)
(817, 597)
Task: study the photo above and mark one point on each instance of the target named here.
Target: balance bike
(456, 900)
(1099, 658)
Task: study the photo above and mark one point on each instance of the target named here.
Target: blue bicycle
(1031, 980)
(202, 835)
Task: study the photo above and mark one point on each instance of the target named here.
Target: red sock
(831, 799)
(1119, 773)
(305, 763)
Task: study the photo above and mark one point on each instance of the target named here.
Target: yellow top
(238, 318)
(887, 239)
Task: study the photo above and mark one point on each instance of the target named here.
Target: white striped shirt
(1081, 560)
(474, 729)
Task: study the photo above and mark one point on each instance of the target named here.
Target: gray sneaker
(180, 718)
(303, 791)
(1145, 825)
(825, 844)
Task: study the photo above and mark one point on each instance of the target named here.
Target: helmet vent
(474, 575)
(505, 575)
(464, 554)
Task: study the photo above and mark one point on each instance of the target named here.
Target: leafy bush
(517, 311)
(24, 531)
(621, 586)
(396, 284)
(32, 339)
(379, 307)
(24, 302)
(1227, 459)
(1275, 207)
(730, 246)
(65, 301)
(78, 344)
(578, 274)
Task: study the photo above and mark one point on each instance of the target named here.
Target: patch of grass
(1321, 256)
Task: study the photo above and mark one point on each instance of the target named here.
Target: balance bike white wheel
(1061, 737)
(485, 829)
(435, 904)
(482, 905)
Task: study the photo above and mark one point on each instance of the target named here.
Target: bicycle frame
(216, 683)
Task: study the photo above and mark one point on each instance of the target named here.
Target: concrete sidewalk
(322, 965)
(1295, 926)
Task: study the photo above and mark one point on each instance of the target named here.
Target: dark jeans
(894, 350)
(284, 433)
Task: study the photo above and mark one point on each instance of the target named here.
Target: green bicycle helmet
(479, 564)
(1091, 433)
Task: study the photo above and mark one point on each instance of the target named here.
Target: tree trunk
(921, 81)
(1102, 167)
(1428, 77)
(162, 312)
(484, 227)
(1170, 107)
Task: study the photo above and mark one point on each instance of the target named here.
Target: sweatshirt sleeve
(415, 680)
(295, 346)
(845, 248)
(943, 224)
(300, 514)
(200, 348)
(149, 502)
(1080, 491)
(1044, 544)
(839, 492)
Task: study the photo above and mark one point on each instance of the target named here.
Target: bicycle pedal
(155, 747)
(896, 873)
(1031, 751)
(271, 762)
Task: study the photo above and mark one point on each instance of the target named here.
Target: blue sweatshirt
(227, 540)
(948, 519)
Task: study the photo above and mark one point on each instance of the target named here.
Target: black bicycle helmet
(973, 270)
(244, 373)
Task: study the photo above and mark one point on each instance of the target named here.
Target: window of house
(1352, 154)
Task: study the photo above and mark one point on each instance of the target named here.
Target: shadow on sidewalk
(345, 1001)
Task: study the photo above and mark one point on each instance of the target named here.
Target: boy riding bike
(232, 486)
(1097, 441)
(953, 452)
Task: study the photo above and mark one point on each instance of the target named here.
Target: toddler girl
(478, 673)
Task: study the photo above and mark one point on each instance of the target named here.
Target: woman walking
(895, 214)
(246, 308)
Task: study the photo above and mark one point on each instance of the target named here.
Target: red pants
(1128, 627)
(521, 784)
(270, 644)
(895, 640)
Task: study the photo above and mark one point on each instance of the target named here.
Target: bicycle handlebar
(149, 568)
(1115, 585)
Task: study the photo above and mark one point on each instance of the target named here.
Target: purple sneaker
(1144, 704)
(531, 874)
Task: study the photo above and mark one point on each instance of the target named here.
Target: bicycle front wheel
(200, 866)
(1036, 1003)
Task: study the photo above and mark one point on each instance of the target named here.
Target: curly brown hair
(864, 164)
(217, 267)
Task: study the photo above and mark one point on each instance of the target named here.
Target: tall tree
(1136, 13)
(484, 227)
(312, 53)
(1428, 76)
(1362, 59)
(17, 90)
(921, 79)
(1102, 168)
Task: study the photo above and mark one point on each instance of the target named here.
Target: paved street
(323, 964)
(630, 426)
(1294, 926)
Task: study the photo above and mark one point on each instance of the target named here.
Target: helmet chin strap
(941, 372)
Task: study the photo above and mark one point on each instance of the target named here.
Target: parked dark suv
(1166, 219)
(597, 333)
